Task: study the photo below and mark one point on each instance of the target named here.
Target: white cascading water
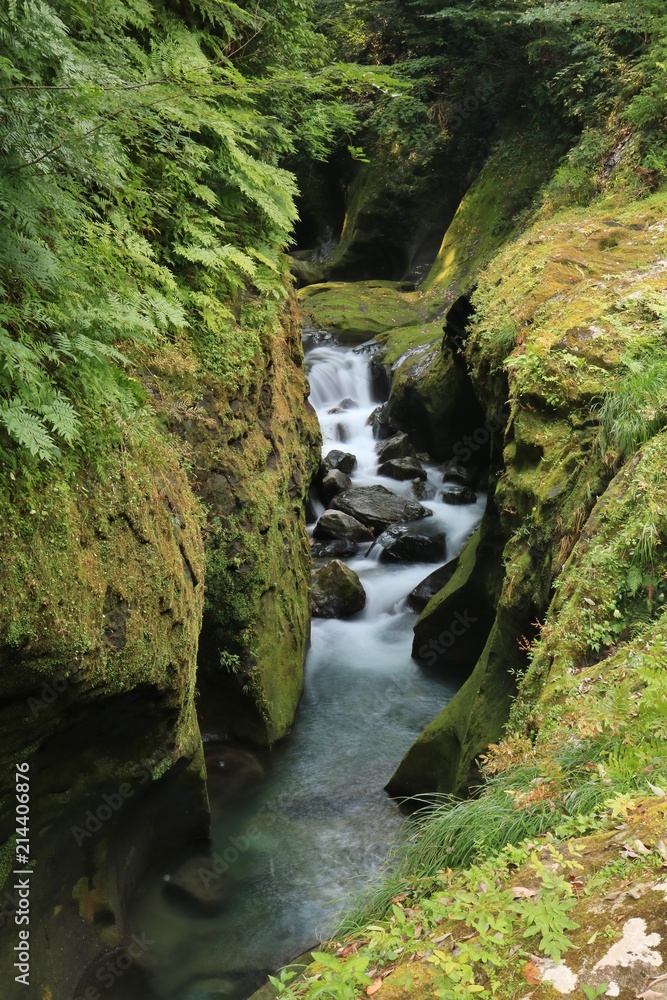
(321, 821)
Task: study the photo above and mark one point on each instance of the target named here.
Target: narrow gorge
(333, 416)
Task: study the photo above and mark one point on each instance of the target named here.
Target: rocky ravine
(104, 581)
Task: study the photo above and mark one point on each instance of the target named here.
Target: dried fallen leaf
(348, 949)
(374, 987)
(418, 931)
(531, 974)
(577, 884)
(656, 789)
(650, 995)
(641, 847)
(522, 892)
(661, 848)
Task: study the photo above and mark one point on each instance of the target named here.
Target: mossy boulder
(254, 448)
(337, 591)
(101, 596)
(451, 630)
(360, 310)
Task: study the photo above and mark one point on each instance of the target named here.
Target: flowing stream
(302, 826)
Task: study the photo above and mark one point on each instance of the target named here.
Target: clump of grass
(637, 407)
(514, 806)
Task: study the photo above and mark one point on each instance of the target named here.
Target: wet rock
(348, 404)
(336, 591)
(197, 885)
(458, 495)
(379, 421)
(378, 507)
(397, 446)
(335, 524)
(400, 545)
(337, 548)
(344, 461)
(334, 482)
(455, 472)
(419, 597)
(402, 468)
(422, 489)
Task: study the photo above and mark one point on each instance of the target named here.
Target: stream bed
(300, 828)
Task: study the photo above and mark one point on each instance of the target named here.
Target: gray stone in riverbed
(402, 468)
(334, 548)
(333, 483)
(398, 446)
(400, 545)
(458, 495)
(345, 461)
(377, 507)
(455, 472)
(335, 524)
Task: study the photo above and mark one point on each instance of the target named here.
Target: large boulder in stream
(402, 469)
(336, 591)
(377, 507)
(399, 544)
(334, 524)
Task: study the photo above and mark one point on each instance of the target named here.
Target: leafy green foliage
(142, 195)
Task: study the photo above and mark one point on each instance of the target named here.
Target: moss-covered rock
(359, 310)
(337, 591)
(101, 595)
(253, 447)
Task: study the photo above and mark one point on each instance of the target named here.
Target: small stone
(344, 461)
(458, 495)
(337, 548)
(455, 472)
